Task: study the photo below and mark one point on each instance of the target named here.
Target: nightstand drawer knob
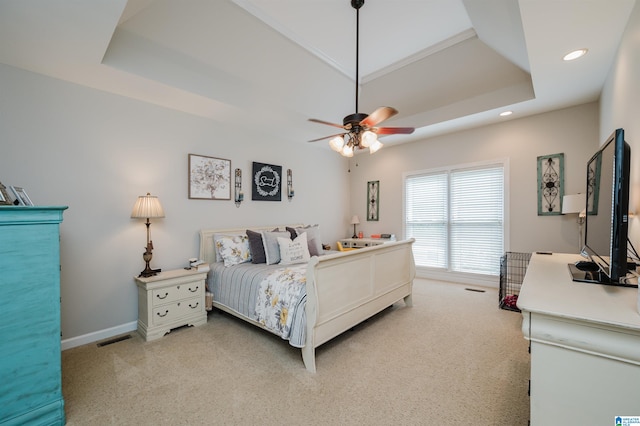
(196, 289)
(162, 297)
(163, 315)
(196, 305)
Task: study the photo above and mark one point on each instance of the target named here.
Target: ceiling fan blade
(315, 120)
(326, 137)
(378, 116)
(393, 130)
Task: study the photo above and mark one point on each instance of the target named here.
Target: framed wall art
(550, 184)
(209, 178)
(373, 195)
(21, 196)
(267, 182)
(4, 195)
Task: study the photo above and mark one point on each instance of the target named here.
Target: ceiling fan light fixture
(336, 143)
(375, 147)
(361, 129)
(368, 138)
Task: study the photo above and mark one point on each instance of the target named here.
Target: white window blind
(457, 218)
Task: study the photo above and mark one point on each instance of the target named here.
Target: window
(456, 216)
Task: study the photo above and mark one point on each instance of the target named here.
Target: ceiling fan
(361, 131)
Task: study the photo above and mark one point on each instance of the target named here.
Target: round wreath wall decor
(267, 177)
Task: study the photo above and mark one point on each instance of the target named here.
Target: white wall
(96, 152)
(620, 107)
(572, 131)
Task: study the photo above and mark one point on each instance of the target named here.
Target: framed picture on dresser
(4, 196)
(21, 196)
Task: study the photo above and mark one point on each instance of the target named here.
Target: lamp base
(147, 256)
(148, 272)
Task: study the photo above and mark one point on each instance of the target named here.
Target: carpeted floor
(453, 358)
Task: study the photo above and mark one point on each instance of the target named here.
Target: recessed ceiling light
(506, 113)
(575, 54)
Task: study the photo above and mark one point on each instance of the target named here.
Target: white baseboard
(98, 335)
(458, 277)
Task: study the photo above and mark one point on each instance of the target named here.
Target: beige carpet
(453, 358)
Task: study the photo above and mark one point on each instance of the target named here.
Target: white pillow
(217, 245)
(234, 250)
(295, 251)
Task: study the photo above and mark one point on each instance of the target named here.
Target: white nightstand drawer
(173, 311)
(169, 294)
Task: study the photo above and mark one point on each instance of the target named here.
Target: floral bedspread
(279, 296)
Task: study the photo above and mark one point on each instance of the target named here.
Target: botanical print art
(209, 178)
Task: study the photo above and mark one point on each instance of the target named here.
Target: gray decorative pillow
(271, 246)
(256, 246)
(314, 241)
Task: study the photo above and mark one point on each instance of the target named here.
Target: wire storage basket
(513, 267)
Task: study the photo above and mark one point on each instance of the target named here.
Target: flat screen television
(607, 210)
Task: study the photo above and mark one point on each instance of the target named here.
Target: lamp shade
(147, 206)
(355, 220)
(573, 203)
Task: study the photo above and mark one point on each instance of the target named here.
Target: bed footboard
(345, 289)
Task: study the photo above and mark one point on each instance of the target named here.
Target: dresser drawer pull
(196, 289)
(193, 307)
(163, 315)
(162, 297)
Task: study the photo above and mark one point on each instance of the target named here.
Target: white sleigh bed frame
(343, 288)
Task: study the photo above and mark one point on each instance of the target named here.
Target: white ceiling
(270, 65)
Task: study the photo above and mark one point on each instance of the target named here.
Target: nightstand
(170, 299)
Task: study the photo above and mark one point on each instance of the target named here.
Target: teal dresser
(30, 361)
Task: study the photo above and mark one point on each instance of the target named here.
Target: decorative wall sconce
(290, 191)
(239, 196)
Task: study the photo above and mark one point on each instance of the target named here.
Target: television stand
(597, 277)
(585, 363)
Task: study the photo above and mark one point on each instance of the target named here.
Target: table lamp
(147, 206)
(355, 220)
(572, 204)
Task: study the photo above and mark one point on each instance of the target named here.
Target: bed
(334, 292)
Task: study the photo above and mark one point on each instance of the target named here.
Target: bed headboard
(207, 249)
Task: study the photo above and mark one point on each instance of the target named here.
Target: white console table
(364, 242)
(585, 346)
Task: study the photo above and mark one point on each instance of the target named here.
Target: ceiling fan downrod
(357, 4)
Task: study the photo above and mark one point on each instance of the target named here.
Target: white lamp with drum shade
(149, 207)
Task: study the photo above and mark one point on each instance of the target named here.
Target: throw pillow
(216, 244)
(292, 252)
(256, 246)
(234, 250)
(271, 247)
(314, 241)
